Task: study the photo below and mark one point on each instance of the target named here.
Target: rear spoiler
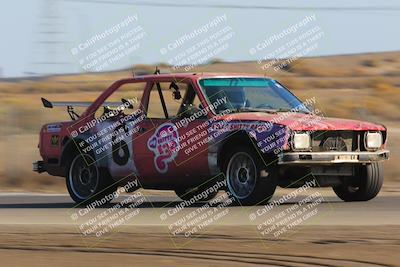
(48, 104)
(70, 106)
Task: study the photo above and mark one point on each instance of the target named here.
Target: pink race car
(245, 134)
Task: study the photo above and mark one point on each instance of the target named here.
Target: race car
(200, 133)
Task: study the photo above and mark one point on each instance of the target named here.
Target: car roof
(196, 76)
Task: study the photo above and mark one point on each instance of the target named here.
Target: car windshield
(250, 94)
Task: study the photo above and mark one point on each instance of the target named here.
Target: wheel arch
(241, 137)
(71, 149)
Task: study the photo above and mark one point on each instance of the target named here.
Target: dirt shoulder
(236, 246)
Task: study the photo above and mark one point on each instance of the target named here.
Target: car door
(112, 133)
(162, 157)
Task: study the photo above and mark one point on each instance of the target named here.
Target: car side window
(173, 95)
(131, 92)
(191, 105)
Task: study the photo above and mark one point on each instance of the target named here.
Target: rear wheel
(86, 183)
(365, 185)
(243, 169)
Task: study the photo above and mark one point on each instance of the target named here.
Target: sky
(38, 37)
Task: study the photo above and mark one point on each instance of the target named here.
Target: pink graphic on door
(164, 143)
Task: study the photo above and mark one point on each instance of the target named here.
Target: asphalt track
(38, 230)
(31, 208)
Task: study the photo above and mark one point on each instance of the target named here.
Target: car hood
(305, 122)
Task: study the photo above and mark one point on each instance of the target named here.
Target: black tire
(86, 183)
(242, 168)
(189, 193)
(364, 186)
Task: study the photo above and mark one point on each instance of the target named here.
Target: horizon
(38, 77)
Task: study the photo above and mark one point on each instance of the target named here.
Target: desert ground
(144, 246)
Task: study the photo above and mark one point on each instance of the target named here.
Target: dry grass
(373, 63)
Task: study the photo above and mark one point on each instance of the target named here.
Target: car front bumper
(332, 157)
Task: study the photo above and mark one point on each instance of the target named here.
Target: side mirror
(127, 103)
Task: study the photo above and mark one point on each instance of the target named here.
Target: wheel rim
(241, 175)
(83, 176)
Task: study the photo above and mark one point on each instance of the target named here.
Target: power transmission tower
(49, 47)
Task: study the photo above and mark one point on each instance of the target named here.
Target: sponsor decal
(54, 140)
(164, 143)
(53, 128)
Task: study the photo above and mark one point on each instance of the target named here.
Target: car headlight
(301, 141)
(373, 140)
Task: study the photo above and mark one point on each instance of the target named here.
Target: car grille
(336, 141)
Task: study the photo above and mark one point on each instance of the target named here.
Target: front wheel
(243, 169)
(86, 183)
(365, 185)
